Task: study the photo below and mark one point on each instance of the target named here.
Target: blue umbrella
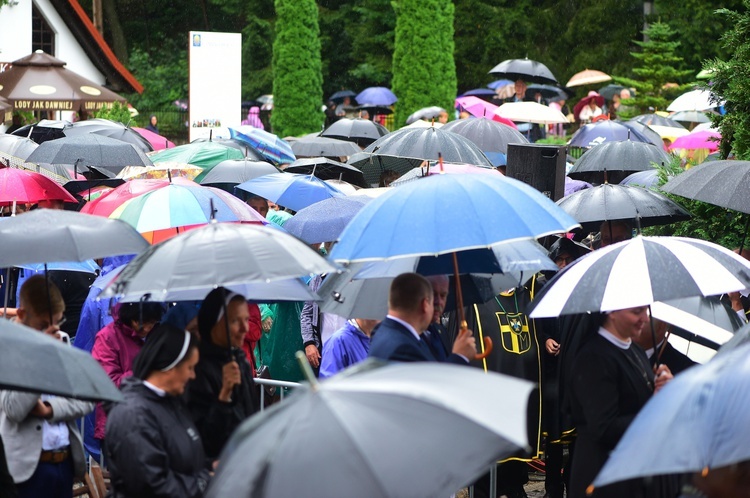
(325, 220)
(341, 95)
(268, 144)
(442, 214)
(597, 133)
(499, 84)
(702, 416)
(478, 92)
(88, 266)
(376, 95)
(291, 190)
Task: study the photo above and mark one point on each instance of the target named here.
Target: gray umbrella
(426, 113)
(111, 129)
(321, 146)
(33, 361)
(46, 235)
(14, 145)
(524, 69)
(373, 165)
(379, 432)
(93, 150)
(490, 136)
(624, 158)
(363, 132)
(218, 254)
(656, 120)
(235, 171)
(722, 183)
(610, 202)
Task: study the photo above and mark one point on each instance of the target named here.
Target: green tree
(116, 112)
(298, 81)
(424, 72)
(658, 67)
(731, 82)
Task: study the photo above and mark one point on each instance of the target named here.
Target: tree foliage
(116, 112)
(424, 73)
(731, 82)
(298, 81)
(658, 77)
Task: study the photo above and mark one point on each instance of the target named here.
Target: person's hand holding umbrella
(230, 377)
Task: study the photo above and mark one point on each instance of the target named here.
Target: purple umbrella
(575, 185)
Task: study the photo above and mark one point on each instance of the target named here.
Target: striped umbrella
(638, 272)
(274, 148)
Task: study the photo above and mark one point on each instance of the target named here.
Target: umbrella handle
(487, 349)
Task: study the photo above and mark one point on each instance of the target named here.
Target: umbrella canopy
(702, 414)
(374, 110)
(290, 190)
(648, 179)
(40, 81)
(35, 362)
(268, 144)
(362, 132)
(588, 77)
(638, 272)
(175, 206)
(524, 69)
(202, 154)
(704, 320)
(108, 128)
(376, 95)
(656, 119)
(341, 95)
(604, 131)
(640, 129)
(609, 202)
(55, 235)
(156, 141)
(551, 93)
(108, 202)
(591, 97)
(437, 169)
(322, 146)
(697, 140)
(19, 186)
(356, 450)
(426, 113)
(482, 93)
(429, 144)
(20, 147)
(219, 254)
(530, 112)
(374, 165)
(480, 109)
(722, 183)
(691, 117)
(90, 150)
(248, 152)
(327, 169)
(491, 137)
(160, 171)
(46, 129)
(624, 157)
(572, 186)
(411, 213)
(609, 91)
(234, 171)
(499, 84)
(325, 220)
(695, 100)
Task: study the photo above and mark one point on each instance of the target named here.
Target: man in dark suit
(410, 312)
(666, 353)
(436, 336)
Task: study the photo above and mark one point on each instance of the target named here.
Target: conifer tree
(297, 69)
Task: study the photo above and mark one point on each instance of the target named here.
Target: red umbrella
(157, 141)
(22, 186)
(592, 96)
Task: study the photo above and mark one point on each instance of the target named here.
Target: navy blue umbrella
(599, 132)
(341, 95)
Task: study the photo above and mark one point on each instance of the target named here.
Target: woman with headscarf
(153, 447)
(610, 382)
(253, 118)
(223, 393)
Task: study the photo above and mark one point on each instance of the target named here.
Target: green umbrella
(202, 154)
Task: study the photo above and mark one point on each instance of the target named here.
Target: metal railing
(274, 383)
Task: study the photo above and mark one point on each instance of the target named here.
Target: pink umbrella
(697, 140)
(22, 186)
(157, 141)
(481, 108)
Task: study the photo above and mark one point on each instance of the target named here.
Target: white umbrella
(640, 271)
(530, 112)
(695, 100)
(220, 254)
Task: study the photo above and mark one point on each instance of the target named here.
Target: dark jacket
(391, 341)
(153, 448)
(216, 420)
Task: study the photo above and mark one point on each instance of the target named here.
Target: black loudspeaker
(541, 166)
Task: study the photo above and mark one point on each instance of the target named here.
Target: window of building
(42, 37)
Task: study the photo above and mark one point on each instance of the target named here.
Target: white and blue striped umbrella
(639, 272)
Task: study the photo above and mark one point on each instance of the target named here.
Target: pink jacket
(115, 347)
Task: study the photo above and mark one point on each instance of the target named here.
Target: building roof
(96, 48)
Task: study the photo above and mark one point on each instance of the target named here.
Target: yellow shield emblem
(514, 332)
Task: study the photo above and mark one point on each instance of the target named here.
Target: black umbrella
(608, 202)
(373, 109)
(373, 165)
(655, 119)
(232, 172)
(42, 131)
(322, 146)
(644, 131)
(551, 93)
(341, 95)
(78, 186)
(327, 169)
(92, 150)
(524, 69)
(620, 158)
(35, 362)
(610, 91)
(490, 136)
(111, 129)
(363, 132)
(250, 152)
